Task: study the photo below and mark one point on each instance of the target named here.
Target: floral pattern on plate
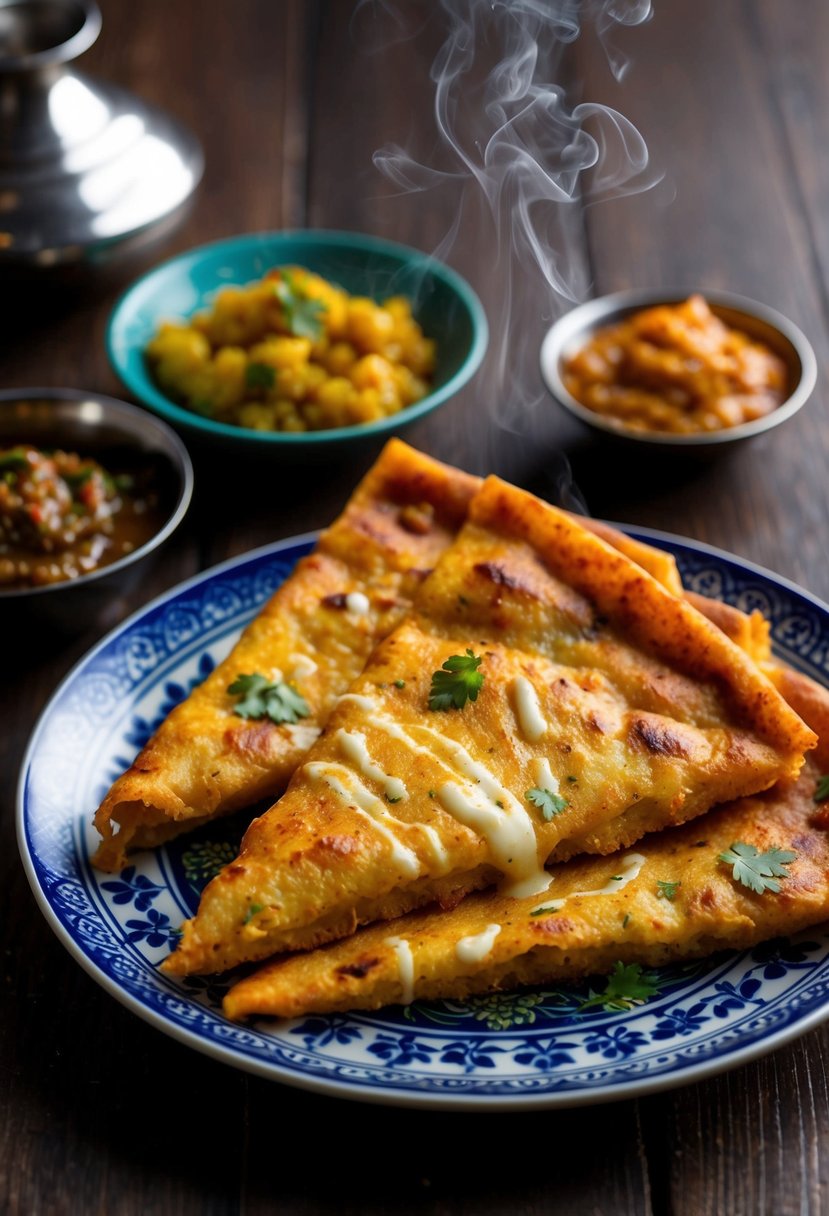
(505, 1050)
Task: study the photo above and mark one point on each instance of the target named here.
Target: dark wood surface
(100, 1113)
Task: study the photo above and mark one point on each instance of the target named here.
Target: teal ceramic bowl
(443, 303)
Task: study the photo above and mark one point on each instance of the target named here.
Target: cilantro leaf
(626, 986)
(262, 699)
(79, 477)
(757, 870)
(667, 890)
(260, 375)
(548, 803)
(303, 314)
(14, 458)
(822, 791)
(457, 682)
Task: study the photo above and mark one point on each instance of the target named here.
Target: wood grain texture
(100, 1113)
(728, 215)
(378, 1162)
(502, 422)
(739, 210)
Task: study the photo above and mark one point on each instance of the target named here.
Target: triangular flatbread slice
(609, 708)
(670, 900)
(316, 633)
(202, 763)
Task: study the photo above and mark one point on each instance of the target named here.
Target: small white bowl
(763, 324)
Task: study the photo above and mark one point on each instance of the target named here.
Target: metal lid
(86, 168)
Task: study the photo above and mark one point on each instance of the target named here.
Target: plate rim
(334, 1087)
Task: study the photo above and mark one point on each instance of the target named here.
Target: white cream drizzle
(474, 800)
(476, 947)
(629, 868)
(352, 791)
(438, 847)
(545, 778)
(531, 721)
(357, 603)
(355, 698)
(302, 735)
(405, 966)
(353, 746)
(302, 666)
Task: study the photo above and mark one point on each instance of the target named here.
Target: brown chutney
(63, 515)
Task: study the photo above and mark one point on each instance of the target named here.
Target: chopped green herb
(399, 683)
(78, 479)
(431, 793)
(755, 870)
(572, 780)
(260, 375)
(262, 699)
(303, 314)
(548, 803)
(543, 911)
(253, 910)
(626, 920)
(457, 682)
(667, 890)
(390, 798)
(822, 791)
(15, 458)
(626, 986)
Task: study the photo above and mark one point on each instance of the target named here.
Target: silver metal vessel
(88, 171)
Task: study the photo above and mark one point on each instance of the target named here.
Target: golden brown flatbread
(315, 633)
(598, 911)
(609, 708)
(202, 762)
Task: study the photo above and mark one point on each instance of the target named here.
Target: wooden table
(100, 1113)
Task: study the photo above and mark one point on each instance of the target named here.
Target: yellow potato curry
(294, 352)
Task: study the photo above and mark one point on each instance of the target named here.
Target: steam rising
(512, 144)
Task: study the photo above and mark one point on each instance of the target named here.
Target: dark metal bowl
(761, 323)
(109, 431)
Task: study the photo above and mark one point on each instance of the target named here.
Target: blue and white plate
(533, 1048)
